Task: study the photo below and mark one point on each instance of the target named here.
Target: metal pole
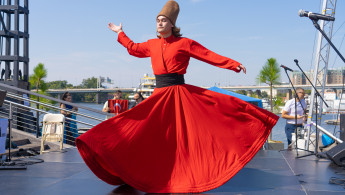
(37, 117)
(318, 58)
(327, 133)
(9, 133)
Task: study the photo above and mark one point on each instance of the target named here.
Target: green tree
(59, 85)
(36, 79)
(89, 83)
(89, 97)
(277, 102)
(270, 74)
(264, 94)
(37, 82)
(243, 92)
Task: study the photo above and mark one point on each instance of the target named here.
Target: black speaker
(337, 154)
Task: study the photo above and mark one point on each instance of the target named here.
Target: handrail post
(10, 113)
(37, 117)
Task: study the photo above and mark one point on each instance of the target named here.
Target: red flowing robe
(182, 138)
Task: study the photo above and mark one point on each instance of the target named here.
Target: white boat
(334, 103)
(146, 86)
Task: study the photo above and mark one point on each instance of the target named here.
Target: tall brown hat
(170, 10)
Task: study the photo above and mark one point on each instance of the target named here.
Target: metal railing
(27, 114)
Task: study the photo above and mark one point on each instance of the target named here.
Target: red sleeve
(199, 52)
(140, 50)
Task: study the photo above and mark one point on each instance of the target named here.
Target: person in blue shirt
(71, 131)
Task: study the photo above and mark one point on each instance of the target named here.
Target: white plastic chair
(53, 129)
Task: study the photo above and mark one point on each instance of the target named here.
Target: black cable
(336, 57)
(28, 161)
(339, 28)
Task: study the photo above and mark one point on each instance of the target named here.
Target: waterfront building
(333, 76)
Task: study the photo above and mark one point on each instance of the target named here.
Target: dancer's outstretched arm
(136, 49)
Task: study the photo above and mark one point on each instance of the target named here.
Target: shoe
(290, 146)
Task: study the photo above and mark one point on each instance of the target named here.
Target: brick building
(334, 76)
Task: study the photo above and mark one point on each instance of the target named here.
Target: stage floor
(270, 172)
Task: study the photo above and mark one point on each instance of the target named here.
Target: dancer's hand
(115, 28)
(241, 67)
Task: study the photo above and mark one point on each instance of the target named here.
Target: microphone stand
(317, 26)
(299, 100)
(316, 115)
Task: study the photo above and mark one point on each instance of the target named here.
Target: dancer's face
(164, 26)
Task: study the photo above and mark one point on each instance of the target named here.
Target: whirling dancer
(182, 138)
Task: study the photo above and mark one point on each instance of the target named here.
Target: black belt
(165, 80)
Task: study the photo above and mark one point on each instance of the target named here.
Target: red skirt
(182, 139)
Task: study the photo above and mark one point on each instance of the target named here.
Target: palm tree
(36, 79)
(270, 74)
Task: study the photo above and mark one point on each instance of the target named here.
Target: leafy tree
(243, 92)
(270, 74)
(89, 97)
(253, 95)
(36, 79)
(37, 82)
(59, 85)
(43, 100)
(277, 102)
(264, 94)
(86, 97)
(89, 83)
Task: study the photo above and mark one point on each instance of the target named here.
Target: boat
(146, 86)
(335, 107)
(330, 97)
(332, 122)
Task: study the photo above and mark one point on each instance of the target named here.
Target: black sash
(165, 80)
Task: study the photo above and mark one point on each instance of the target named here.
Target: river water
(278, 131)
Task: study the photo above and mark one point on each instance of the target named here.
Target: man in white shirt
(289, 114)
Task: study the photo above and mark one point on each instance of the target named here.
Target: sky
(72, 40)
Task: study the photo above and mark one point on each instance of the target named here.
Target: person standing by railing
(71, 131)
